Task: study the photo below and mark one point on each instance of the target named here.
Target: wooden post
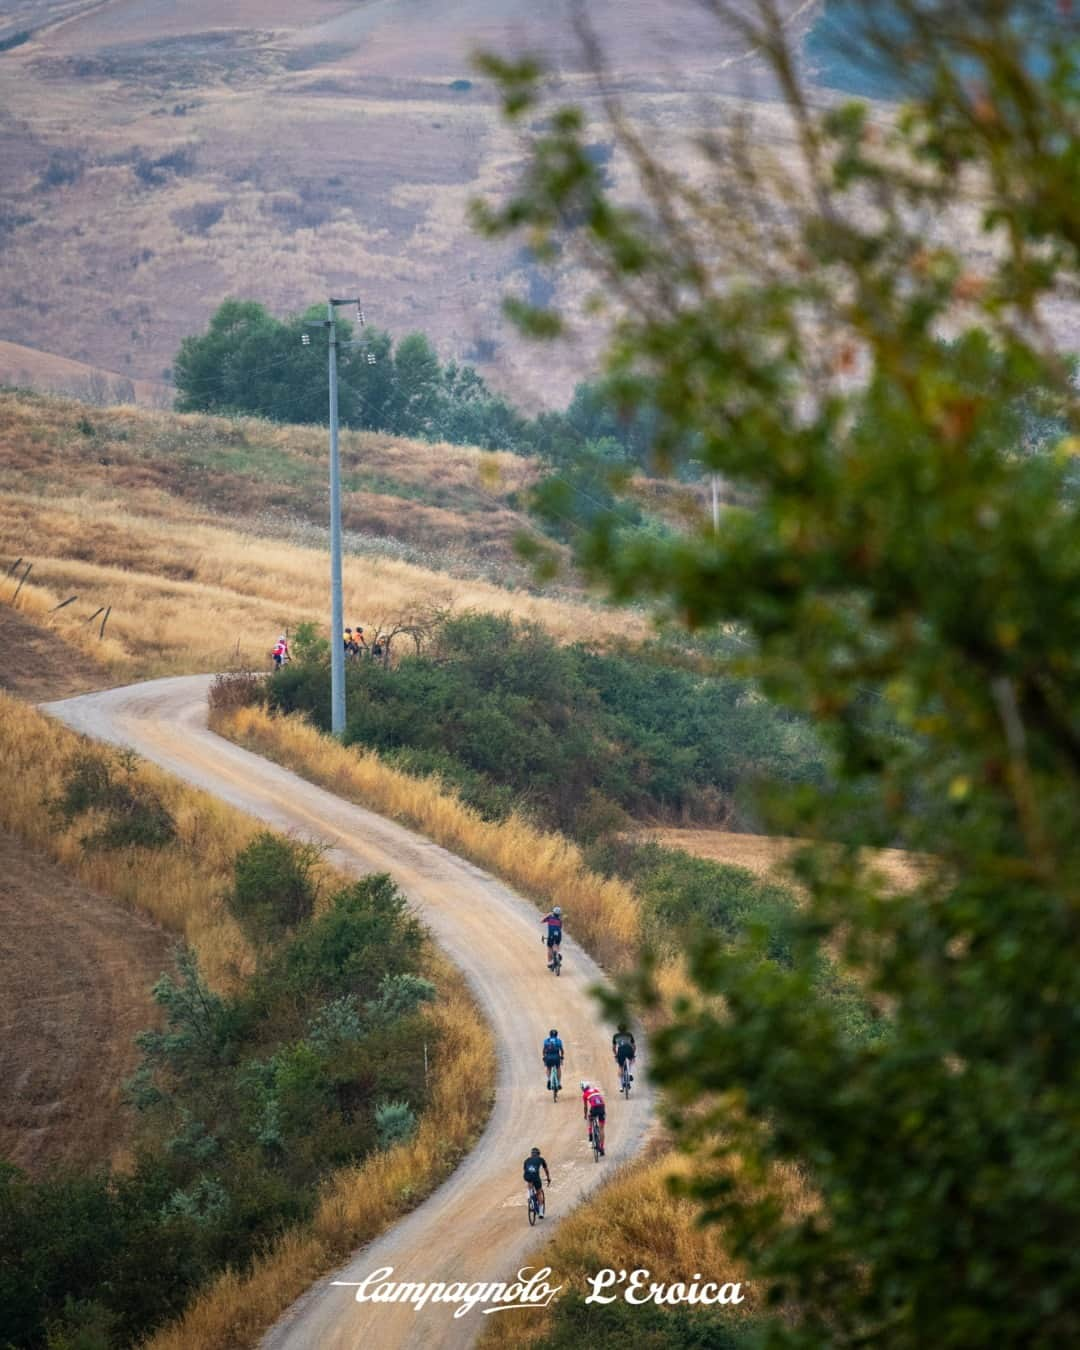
(105, 620)
(19, 587)
(70, 600)
(99, 610)
(11, 569)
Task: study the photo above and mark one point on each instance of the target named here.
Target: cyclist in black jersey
(533, 1163)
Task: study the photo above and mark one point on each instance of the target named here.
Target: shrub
(275, 886)
(64, 167)
(394, 1123)
(134, 815)
(235, 689)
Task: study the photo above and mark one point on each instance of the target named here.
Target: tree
(418, 385)
(909, 576)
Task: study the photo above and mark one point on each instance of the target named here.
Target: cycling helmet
(585, 1083)
(536, 1151)
(557, 911)
(553, 1032)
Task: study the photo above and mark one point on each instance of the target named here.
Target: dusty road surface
(474, 1227)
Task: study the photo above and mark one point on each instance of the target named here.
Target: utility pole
(337, 597)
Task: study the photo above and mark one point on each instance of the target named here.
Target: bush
(235, 689)
(395, 1123)
(64, 167)
(575, 739)
(275, 886)
(135, 816)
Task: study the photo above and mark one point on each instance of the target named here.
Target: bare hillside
(158, 157)
(75, 979)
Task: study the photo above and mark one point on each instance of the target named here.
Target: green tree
(417, 387)
(908, 575)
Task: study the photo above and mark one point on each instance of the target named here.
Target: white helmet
(585, 1084)
(557, 911)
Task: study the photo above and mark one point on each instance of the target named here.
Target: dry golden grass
(766, 855)
(543, 865)
(357, 1203)
(189, 597)
(182, 886)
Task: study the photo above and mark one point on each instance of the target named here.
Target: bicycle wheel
(594, 1139)
(555, 1084)
(532, 1209)
(626, 1078)
(558, 961)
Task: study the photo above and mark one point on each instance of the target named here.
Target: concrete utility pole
(337, 597)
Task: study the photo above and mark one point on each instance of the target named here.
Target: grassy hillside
(207, 536)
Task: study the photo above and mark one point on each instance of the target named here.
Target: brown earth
(75, 978)
(34, 665)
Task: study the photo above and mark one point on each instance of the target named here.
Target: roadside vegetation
(578, 740)
(283, 1108)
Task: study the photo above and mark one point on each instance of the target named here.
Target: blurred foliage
(859, 344)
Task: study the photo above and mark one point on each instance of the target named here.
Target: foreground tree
(857, 338)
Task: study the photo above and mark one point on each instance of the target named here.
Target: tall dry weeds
(182, 886)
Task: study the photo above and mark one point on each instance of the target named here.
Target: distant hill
(43, 370)
(158, 157)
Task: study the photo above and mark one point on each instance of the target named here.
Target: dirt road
(474, 1227)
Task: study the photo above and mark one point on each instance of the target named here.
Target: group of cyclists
(357, 645)
(553, 1053)
(354, 642)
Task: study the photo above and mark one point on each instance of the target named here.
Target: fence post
(19, 587)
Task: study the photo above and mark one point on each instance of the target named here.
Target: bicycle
(554, 1082)
(625, 1077)
(596, 1138)
(556, 961)
(534, 1207)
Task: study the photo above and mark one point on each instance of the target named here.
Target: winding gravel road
(474, 1227)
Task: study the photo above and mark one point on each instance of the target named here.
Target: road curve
(473, 1228)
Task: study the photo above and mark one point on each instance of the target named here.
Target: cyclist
(554, 933)
(349, 643)
(358, 640)
(623, 1048)
(280, 652)
(533, 1164)
(592, 1100)
(553, 1054)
